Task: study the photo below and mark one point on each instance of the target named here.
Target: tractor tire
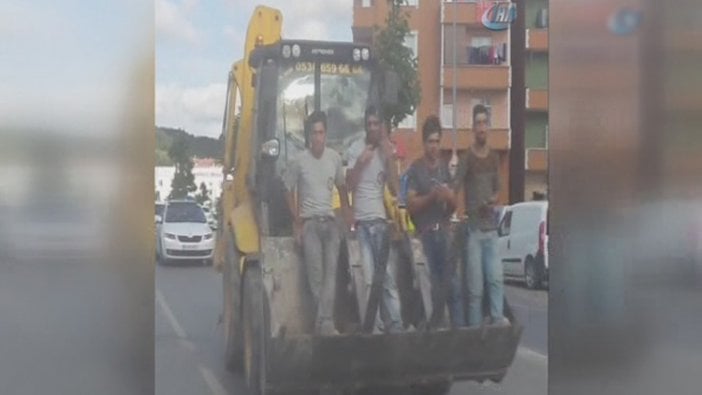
(231, 315)
(255, 330)
(532, 279)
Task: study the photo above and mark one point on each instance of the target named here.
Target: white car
(523, 242)
(184, 234)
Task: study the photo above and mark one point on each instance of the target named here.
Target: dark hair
(480, 109)
(374, 111)
(316, 116)
(431, 125)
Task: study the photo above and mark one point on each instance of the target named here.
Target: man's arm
(343, 193)
(496, 182)
(356, 166)
(344, 197)
(461, 172)
(449, 196)
(418, 203)
(459, 185)
(291, 179)
(393, 179)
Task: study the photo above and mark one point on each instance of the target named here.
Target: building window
(366, 3)
(411, 42)
(447, 116)
(411, 3)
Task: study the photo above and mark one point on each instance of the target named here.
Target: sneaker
(396, 328)
(502, 321)
(329, 332)
(327, 329)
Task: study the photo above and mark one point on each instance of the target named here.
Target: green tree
(183, 180)
(204, 194)
(392, 54)
(162, 158)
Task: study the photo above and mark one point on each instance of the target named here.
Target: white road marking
(170, 316)
(216, 388)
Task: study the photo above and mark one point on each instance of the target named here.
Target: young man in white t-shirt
(313, 175)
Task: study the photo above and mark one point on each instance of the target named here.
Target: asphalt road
(189, 342)
(67, 327)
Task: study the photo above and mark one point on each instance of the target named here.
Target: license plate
(189, 247)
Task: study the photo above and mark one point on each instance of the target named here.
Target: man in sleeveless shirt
(370, 169)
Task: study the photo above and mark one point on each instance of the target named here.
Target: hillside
(200, 146)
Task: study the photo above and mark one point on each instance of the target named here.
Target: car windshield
(184, 212)
(344, 92)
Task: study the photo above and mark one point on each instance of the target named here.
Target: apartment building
(536, 77)
(480, 72)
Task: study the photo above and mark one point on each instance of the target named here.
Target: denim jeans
(444, 276)
(374, 241)
(320, 243)
(483, 268)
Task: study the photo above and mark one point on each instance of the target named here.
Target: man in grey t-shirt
(313, 175)
(478, 175)
(370, 168)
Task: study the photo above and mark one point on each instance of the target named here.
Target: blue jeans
(374, 241)
(483, 269)
(444, 276)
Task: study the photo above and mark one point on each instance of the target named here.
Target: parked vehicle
(523, 242)
(184, 234)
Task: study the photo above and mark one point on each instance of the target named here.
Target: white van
(523, 242)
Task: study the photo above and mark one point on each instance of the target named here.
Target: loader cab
(293, 79)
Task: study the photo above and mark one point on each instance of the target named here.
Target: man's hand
(387, 148)
(491, 203)
(444, 193)
(348, 217)
(297, 231)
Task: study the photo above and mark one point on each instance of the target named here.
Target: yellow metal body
(237, 204)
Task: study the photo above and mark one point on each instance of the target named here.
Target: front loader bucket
(350, 361)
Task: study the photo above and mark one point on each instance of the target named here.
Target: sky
(67, 65)
(198, 40)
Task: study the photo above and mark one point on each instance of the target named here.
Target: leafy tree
(183, 180)
(204, 194)
(162, 158)
(392, 54)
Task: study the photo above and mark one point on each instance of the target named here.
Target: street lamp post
(453, 163)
